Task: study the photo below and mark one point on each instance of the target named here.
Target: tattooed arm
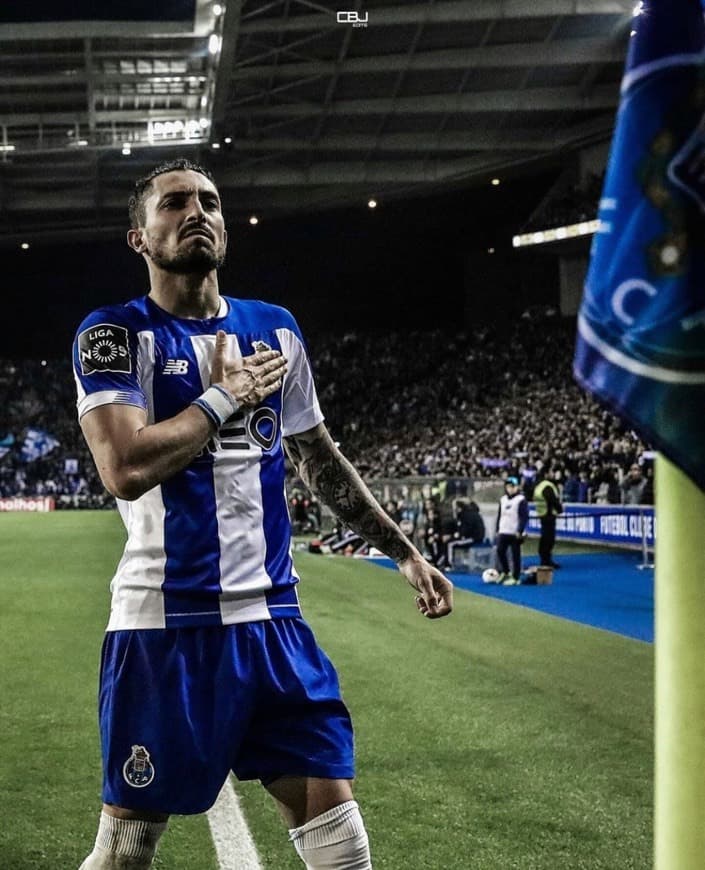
(333, 479)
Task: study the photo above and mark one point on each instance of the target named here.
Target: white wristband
(217, 404)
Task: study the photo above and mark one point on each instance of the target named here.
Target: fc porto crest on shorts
(138, 770)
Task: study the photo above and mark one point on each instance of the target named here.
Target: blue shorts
(180, 708)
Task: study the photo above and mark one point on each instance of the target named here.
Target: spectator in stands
(548, 506)
(528, 479)
(431, 534)
(647, 496)
(297, 511)
(305, 513)
(584, 494)
(408, 514)
(449, 525)
(614, 493)
(571, 487)
(633, 486)
(392, 510)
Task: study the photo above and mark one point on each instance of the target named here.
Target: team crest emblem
(138, 770)
(260, 345)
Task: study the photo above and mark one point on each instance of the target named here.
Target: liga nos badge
(138, 770)
(104, 348)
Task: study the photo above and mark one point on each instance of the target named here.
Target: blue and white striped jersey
(211, 545)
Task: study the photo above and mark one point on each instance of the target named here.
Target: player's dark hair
(135, 205)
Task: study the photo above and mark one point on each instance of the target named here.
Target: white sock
(335, 840)
(124, 844)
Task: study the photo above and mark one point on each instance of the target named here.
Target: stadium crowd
(490, 401)
(37, 398)
(484, 403)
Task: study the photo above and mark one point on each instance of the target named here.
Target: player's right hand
(251, 378)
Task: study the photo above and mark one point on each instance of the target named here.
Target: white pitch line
(232, 839)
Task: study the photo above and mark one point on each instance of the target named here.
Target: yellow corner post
(679, 818)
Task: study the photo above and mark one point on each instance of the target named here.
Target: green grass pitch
(498, 738)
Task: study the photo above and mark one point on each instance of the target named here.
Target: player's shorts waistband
(283, 602)
(203, 611)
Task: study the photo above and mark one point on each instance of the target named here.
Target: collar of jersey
(223, 311)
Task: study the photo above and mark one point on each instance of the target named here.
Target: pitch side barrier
(632, 526)
(31, 503)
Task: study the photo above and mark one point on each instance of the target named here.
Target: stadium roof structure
(294, 104)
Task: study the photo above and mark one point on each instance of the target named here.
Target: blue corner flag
(641, 328)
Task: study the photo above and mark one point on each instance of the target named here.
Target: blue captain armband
(217, 404)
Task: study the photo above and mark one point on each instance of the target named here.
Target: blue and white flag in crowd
(37, 443)
(6, 445)
(641, 328)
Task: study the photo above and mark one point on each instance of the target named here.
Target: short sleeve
(300, 408)
(105, 362)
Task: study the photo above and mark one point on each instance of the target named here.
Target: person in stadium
(470, 525)
(548, 506)
(469, 531)
(633, 485)
(571, 487)
(186, 400)
(512, 517)
(430, 533)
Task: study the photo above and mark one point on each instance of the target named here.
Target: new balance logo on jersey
(176, 367)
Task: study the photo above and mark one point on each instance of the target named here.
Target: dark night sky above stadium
(407, 264)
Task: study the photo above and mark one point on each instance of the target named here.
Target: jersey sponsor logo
(262, 427)
(138, 770)
(104, 348)
(175, 367)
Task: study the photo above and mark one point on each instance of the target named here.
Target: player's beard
(197, 260)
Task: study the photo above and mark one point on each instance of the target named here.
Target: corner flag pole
(679, 835)
(640, 349)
